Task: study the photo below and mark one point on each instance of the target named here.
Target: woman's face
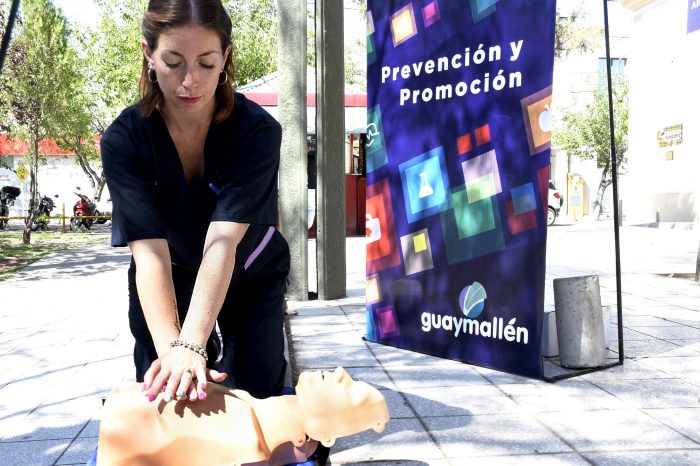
(188, 62)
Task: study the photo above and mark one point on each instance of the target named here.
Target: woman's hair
(163, 15)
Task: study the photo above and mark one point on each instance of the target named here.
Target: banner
(458, 139)
(693, 15)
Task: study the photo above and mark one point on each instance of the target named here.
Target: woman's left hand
(180, 373)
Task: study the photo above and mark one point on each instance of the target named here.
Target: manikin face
(334, 405)
(188, 62)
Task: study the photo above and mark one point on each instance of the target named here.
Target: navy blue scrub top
(152, 199)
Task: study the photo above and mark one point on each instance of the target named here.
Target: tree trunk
(27, 235)
(604, 183)
(97, 181)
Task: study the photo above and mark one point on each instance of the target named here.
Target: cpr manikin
(230, 427)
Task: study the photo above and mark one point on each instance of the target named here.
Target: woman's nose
(191, 78)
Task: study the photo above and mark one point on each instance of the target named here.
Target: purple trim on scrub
(260, 248)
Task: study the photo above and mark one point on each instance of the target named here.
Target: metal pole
(8, 32)
(613, 153)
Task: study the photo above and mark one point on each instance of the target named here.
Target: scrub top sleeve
(132, 187)
(249, 193)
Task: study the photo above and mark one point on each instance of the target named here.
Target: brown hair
(162, 15)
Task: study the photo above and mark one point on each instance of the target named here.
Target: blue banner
(458, 147)
(693, 15)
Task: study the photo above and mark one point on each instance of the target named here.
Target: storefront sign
(693, 15)
(670, 135)
(458, 149)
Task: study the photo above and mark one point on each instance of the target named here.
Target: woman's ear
(227, 52)
(147, 52)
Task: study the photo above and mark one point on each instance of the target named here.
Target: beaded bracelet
(191, 346)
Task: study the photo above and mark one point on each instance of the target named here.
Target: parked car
(555, 202)
(104, 208)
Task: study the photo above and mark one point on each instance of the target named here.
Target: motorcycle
(8, 194)
(84, 207)
(43, 213)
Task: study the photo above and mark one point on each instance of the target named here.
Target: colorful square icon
(382, 243)
(471, 230)
(472, 218)
(425, 184)
(387, 324)
(537, 118)
(417, 252)
(373, 291)
(518, 223)
(431, 13)
(482, 176)
(482, 8)
(523, 198)
(374, 148)
(403, 25)
(464, 143)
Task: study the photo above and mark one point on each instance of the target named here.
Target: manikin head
(334, 405)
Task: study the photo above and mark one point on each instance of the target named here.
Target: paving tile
(567, 395)
(398, 406)
(679, 332)
(79, 452)
(431, 462)
(304, 311)
(681, 367)
(346, 339)
(613, 430)
(541, 459)
(654, 393)
(498, 377)
(403, 440)
(662, 457)
(493, 435)
(435, 375)
(686, 421)
(459, 400)
(55, 421)
(375, 376)
(390, 356)
(629, 370)
(42, 452)
(310, 359)
(323, 320)
(644, 348)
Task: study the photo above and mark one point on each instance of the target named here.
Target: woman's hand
(181, 373)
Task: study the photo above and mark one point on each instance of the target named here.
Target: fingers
(215, 376)
(183, 388)
(201, 384)
(150, 375)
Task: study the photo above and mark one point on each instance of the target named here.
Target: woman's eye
(205, 66)
(171, 65)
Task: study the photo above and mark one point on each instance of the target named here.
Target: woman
(192, 173)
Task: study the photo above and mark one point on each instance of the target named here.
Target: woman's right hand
(163, 377)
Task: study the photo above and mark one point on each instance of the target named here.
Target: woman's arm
(182, 370)
(213, 280)
(154, 282)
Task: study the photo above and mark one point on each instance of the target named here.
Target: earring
(221, 83)
(152, 77)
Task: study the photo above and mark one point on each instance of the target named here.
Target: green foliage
(40, 83)
(573, 35)
(585, 132)
(254, 38)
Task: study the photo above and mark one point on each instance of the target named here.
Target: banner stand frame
(616, 216)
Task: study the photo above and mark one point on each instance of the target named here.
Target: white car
(554, 202)
(104, 208)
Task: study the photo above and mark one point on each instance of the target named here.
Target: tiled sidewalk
(64, 342)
